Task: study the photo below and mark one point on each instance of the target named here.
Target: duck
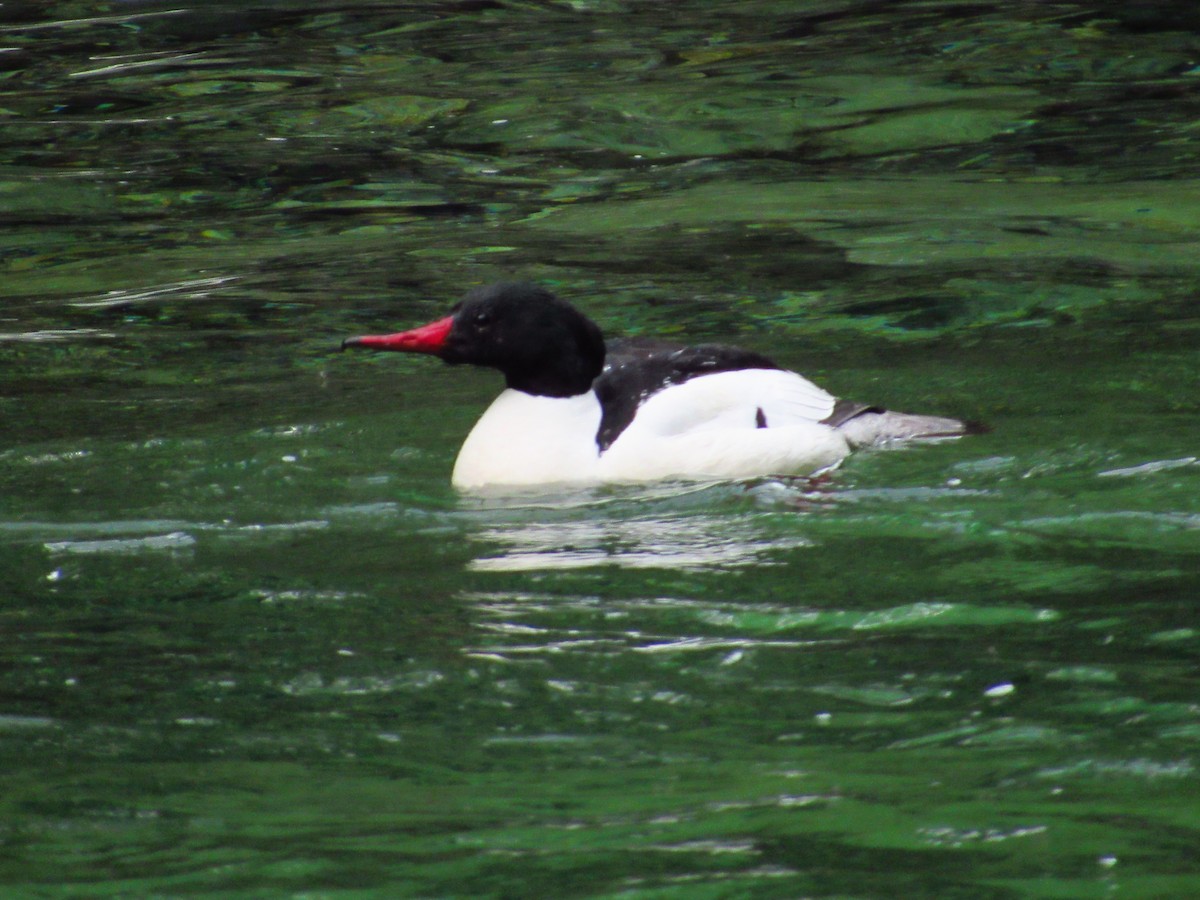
(577, 409)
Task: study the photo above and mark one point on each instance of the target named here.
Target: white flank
(707, 427)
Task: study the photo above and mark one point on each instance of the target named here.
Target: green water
(254, 645)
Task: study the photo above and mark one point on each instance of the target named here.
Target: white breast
(523, 439)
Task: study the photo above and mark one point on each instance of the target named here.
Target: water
(255, 645)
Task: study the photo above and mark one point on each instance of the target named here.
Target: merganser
(576, 410)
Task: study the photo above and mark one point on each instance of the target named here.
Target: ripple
(1149, 468)
(55, 335)
(24, 723)
(192, 289)
(312, 683)
(118, 527)
(946, 836)
(172, 541)
(1147, 769)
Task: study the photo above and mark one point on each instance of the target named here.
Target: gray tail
(866, 426)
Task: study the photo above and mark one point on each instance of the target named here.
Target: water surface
(255, 645)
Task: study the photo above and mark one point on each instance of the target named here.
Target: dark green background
(252, 644)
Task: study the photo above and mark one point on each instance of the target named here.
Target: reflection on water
(683, 543)
(668, 526)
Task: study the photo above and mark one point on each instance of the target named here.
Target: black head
(542, 344)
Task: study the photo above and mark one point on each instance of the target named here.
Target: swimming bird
(576, 409)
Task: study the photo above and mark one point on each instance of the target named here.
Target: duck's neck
(558, 375)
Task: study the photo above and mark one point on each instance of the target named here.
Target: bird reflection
(572, 537)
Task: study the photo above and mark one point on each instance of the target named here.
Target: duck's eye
(483, 319)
